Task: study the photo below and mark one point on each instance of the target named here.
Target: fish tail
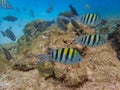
(76, 40)
(70, 5)
(43, 57)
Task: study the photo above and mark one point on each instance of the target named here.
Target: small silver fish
(92, 40)
(62, 55)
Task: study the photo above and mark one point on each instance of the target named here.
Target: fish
(89, 19)
(73, 10)
(50, 8)
(7, 54)
(75, 24)
(87, 6)
(50, 22)
(9, 34)
(62, 21)
(5, 4)
(66, 14)
(62, 55)
(17, 10)
(66, 20)
(91, 40)
(10, 18)
(31, 13)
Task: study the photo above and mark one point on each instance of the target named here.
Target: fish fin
(70, 5)
(41, 61)
(76, 40)
(51, 50)
(51, 60)
(3, 33)
(43, 57)
(106, 36)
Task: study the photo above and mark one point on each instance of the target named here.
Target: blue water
(106, 8)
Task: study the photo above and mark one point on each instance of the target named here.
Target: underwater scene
(59, 44)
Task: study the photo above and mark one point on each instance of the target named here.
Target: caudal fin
(43, 57)
(76, 40)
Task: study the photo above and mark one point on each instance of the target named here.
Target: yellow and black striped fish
(4, 4)
(90, 19)
(91, 40)
(62, 55)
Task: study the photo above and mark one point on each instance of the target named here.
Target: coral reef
(99, 69)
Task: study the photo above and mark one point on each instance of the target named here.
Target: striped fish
(4, 4)
(91, 40)
(89, 19)
(62, 55)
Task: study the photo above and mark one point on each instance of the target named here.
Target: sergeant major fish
(5, 4)
(50, 8)
(89, 19)
(91, 40)
(62, 55)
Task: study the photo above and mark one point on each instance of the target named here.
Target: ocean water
(106, 8)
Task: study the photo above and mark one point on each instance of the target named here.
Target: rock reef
(99, 69)
(116, 39)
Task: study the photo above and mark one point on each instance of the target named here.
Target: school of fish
(70, 55)
(62, 55)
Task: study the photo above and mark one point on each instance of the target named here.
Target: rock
(12, 47)
(80, 28)
(99, 69)
(116, 39)
(34, 28)
(22, 67)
